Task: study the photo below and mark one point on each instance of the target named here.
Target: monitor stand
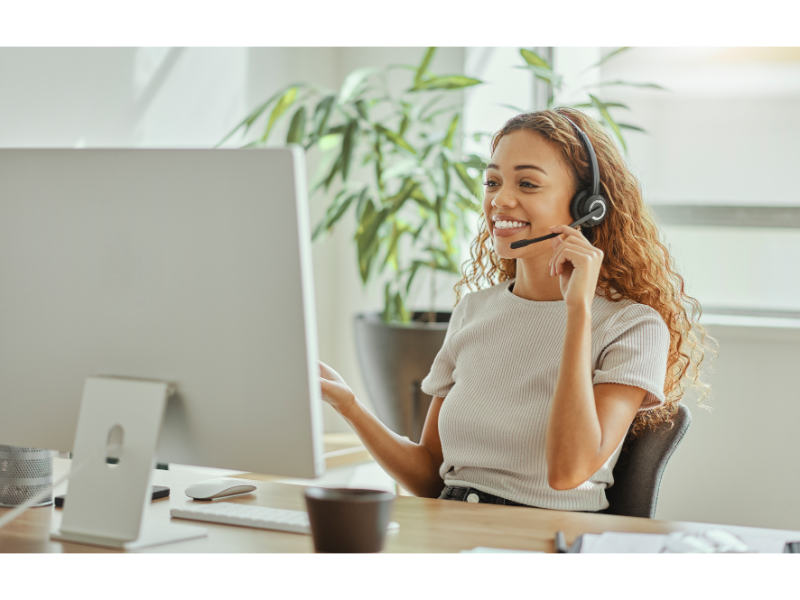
(119, 418)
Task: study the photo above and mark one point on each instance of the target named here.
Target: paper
(485, 550)
(645, 543)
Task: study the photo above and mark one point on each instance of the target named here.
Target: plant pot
(394, 359)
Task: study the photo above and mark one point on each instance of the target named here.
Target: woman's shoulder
(624, 313)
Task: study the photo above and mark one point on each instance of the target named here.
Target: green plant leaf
(514, 108)
(400, 312)
(398, 229)
(321, 115)
(248, 121)
(403, 168)
(396, 202)
(333, 214)
(297, 127)
(475, 162)
(631, 127)
(608, 56)
(281, 107)
(533, 59)
(653, 86)
(445, 82)
(396, 139)
(367, 240)
(347, 147)
(607, 118)
(388, 304)
(606, 104)
(361, 107)
(547, 75)
(470, 183)
(423, 66)
(337, 165)
(451, 131)
(353, 82)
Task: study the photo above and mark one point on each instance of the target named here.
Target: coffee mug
(348, 520)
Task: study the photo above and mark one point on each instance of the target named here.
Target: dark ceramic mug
(348, 520)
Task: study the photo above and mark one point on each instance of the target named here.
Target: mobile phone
(159, 491)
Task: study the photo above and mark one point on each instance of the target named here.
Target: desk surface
(426, 525)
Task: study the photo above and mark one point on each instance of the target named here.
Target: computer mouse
(223, 487)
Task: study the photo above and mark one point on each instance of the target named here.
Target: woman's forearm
(574, 434)
(412, 465)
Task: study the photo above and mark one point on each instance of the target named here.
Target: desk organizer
(24, 473)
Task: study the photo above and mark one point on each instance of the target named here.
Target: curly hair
(637, 265)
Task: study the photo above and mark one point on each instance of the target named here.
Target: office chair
(638, 472)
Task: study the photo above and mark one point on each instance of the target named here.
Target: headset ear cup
(591, 203)
(576, 206)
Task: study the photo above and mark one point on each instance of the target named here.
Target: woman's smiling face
(528, 188)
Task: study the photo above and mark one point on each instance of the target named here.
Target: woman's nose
(504, 199)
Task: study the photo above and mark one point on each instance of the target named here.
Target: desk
(426, 525)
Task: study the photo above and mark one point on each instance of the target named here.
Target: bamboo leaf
(297, 127)
(514, 108)
(608, 56)
(388, 304)
(400, 312)
(470, 183)
(653, 86)
(398, 229)
(396, 139)
(423, 66)
(396, 202)
(606, 104)
(361, 107)
(333, 215)
(403, 168)
(533, 59)
(451, 132)
(347, 147)
(281, 107)
(367, 238)
(599, 105)
(631, 127)
(445, 82)
(546, 75)
(337, 165)
(321, 114)
(248, 121)
(353, 82)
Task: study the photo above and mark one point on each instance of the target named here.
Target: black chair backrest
(638, 473)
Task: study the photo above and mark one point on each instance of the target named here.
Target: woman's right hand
(335, 390)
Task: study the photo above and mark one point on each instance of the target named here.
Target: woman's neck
(534, 281)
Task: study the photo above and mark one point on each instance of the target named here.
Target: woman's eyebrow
(518, 167)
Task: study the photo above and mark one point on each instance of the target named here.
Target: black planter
(394, 359)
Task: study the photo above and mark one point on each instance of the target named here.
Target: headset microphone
(588, 207)
(597, 212)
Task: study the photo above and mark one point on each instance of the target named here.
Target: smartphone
(159, 491)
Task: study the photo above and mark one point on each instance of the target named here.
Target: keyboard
(246, 515)
(260, 517)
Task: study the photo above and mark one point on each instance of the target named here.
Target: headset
(588, 207)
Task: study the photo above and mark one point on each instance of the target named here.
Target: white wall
(739, 463)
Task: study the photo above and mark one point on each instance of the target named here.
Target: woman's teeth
(508, 224)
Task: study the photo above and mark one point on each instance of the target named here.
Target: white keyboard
(260, 517)
(246, 515)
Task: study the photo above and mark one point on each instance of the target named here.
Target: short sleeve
(636, 354)
(440, 379)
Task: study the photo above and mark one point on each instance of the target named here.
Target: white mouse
(218, 488)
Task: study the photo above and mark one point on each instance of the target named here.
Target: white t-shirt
(497, 370)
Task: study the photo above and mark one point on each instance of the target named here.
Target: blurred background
(716, 162)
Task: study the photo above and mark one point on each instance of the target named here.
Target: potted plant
(409, 213)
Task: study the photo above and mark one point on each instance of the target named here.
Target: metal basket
(24, 473)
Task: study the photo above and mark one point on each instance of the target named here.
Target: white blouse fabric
(497, 370)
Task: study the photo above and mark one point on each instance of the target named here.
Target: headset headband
(592, 157)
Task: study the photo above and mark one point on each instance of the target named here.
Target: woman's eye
(489, 183)
(528, 184)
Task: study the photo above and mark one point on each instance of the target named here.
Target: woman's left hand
(577, 263)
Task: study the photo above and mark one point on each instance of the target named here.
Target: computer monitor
(186, 266)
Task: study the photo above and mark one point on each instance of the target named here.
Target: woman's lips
(496, 231)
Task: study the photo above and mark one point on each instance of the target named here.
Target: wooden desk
(426, 525)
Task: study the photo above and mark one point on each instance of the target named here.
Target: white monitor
(186, 266)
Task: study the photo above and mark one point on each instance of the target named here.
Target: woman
(576, 339)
